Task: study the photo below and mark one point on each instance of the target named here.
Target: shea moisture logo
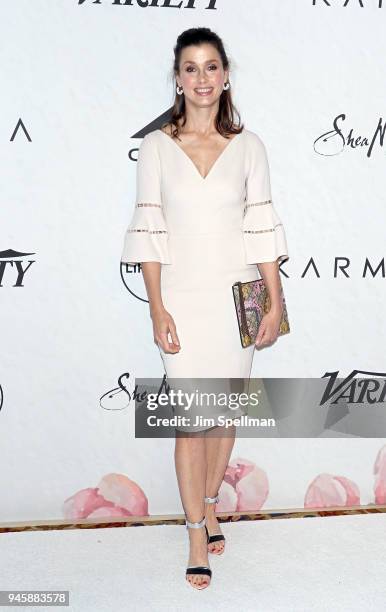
(178, 4)
(367, 390)
(336, 140)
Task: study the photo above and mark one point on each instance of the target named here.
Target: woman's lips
(204, 93)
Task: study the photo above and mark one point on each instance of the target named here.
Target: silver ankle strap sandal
(198, 569)
(195, 525)
(211, 500)
(218, 537)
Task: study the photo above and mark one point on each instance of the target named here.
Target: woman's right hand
(163, 323)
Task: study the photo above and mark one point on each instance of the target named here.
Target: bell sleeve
(146, 238)
(263, 232)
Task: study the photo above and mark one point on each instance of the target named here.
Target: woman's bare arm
(163, 322)
(270, 323)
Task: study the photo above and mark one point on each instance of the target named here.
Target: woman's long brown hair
(225, 122)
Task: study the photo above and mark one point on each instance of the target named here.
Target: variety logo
(178, 4)
(369, 389)
(13, 267)
(213, 4)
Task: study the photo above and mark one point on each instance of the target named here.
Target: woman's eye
(190, 68)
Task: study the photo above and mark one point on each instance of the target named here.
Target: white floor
(307, 564)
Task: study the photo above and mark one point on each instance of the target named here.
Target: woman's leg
(219, 443)
(190, 462)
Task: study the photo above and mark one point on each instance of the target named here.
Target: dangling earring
(226, 86)
(178, 90)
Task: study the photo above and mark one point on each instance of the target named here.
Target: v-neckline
(203, 178)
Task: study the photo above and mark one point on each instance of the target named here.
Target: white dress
(207, 233)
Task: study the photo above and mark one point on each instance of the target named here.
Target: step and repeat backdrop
(83, 82)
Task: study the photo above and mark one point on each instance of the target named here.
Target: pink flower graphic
(329, 490)
(116, 495)
(245, 487)
(380, 476)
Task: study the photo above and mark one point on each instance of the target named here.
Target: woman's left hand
(269, 327)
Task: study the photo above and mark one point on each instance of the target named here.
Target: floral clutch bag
(252, 302)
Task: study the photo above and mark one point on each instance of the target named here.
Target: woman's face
(201, 68)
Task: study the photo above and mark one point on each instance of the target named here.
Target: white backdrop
(81, 81)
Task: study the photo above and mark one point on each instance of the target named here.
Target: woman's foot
(213, 527)
(198, 556)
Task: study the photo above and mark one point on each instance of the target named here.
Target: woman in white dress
(203, 219)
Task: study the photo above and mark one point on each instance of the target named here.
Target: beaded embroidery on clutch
(252, 302)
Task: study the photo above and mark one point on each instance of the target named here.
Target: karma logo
(348, 3)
